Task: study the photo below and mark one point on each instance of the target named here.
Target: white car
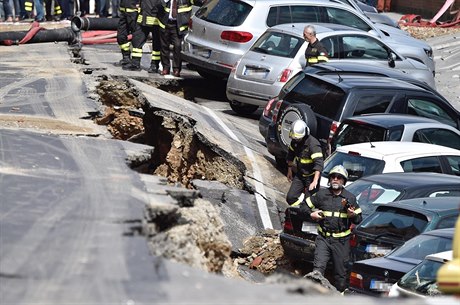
(221, 31)
(279, 54)
(421, 280)
(370, 158)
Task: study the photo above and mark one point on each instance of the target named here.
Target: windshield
(368, 193)
(393, 222)
(417, 248)
(356, 165)
(422, 279)
(355, 132)
(224, 12)
(278, 44)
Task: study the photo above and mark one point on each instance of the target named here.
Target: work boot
(126, 60)
(154, 66)
(134, 65)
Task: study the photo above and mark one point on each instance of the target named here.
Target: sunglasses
(335, 176)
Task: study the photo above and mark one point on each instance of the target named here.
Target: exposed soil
(425, 33)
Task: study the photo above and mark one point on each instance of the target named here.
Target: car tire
(242, 108)
(291, 114)
(281, 164)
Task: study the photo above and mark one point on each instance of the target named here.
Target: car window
(394, 222)
(371, 102)
(454, 164)
(430, 110)
(332, 46)
(422, 245)
(224, 12)
(356, 165)
(323, 98)
(304, 13)
(340, 16)
(447, 222)
(363, 47)
(425, 164)
(422, 278)
(368, 193)
(278, 44)
(357, 133)
(437, 136)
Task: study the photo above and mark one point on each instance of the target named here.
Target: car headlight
(429, 52)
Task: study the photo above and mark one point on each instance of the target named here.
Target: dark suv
(323, 101)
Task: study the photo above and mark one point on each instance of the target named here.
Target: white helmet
(339, 170)
(299, 130)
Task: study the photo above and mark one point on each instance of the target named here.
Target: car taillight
(287, 222)
(356, 280)
(333, 129)
(268, 107)
(285, 75)
(276, 110)
(236, 36)
(353, 240)
(190, 24)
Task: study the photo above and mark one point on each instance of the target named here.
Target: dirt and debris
(424, 33)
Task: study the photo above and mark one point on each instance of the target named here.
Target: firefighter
(147, 22)
(306, 152)
(174, 18)
(315, 52)
(335, 209)
(127, 24)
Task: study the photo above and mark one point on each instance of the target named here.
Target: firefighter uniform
(173, 21)
(333, 240)
(316, 53)
(308, 155)
(147, 21)
(129, 10)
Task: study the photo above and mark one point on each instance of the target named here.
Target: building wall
(425, 8)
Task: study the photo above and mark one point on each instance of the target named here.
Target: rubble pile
(424, 33)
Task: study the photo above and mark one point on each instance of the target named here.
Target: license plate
(309, 227)
(259, 73)
(377, 250)
(380, 285)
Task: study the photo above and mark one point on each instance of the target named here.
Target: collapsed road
(88, 218)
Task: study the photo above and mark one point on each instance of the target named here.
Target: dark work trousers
(170, 35)
(339, 250)
(298, 187)
(126, 25)
(140, 37)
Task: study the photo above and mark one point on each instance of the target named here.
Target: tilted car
(375, 276)
(370, 158)
(422, 280)
(221, 31)
(383, 188)
(344, 68)
(394, 127)
(279, 54)
(323, 101)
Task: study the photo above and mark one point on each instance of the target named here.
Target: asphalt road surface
(71, 208)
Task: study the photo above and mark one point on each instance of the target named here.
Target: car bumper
(264, 122)
(272, 141)
(298, 248)
(206, 64)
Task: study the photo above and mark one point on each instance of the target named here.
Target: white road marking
(260, 191)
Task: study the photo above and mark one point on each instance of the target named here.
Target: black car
(383, 188)
(299, 231)
(394, 127)
(376, 275)
(392, 224)
(323, 101)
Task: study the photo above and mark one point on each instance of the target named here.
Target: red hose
(96, 33)
(34, 29)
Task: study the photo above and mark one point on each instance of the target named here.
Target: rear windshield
(422, 278)
(323, 98)
(278, 44)
(392, 222)
(224, 12)
(358, 133)
(356, 165)
(418, 247)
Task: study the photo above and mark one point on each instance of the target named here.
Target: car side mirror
(391, 59)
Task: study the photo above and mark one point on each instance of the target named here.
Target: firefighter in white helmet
(335, 209)
(306, 154)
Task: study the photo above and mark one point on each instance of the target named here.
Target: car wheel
(291, 114)
(281, 164)
(208, 75)
(242, 108)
